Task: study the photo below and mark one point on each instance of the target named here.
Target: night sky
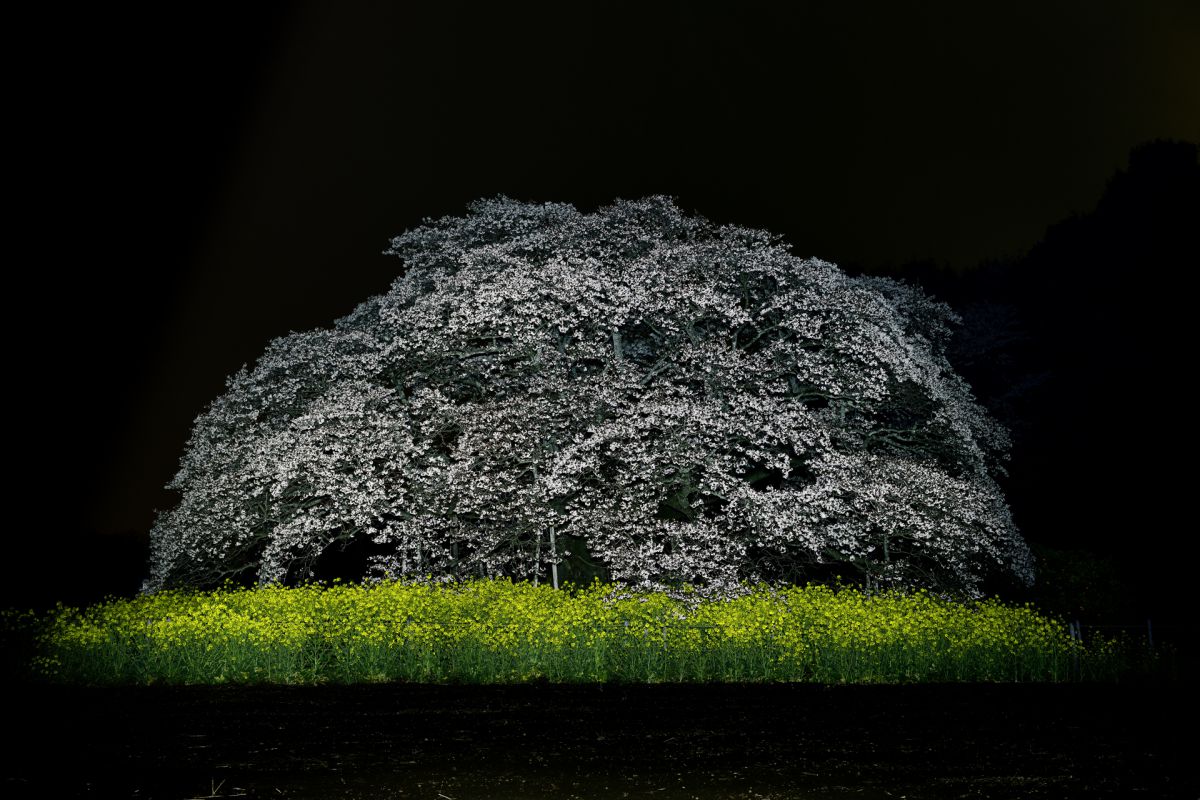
(196, 183)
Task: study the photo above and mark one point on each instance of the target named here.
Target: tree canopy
(634, 393)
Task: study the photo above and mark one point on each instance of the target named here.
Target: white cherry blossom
(663, 399)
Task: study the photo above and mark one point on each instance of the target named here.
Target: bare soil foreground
(547, 741)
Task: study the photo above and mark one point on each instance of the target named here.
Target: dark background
(194, 182)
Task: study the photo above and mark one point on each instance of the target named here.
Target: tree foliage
(637, 392)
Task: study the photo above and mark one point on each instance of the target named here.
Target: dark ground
(665, 741)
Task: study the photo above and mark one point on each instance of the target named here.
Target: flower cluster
(635, 392)
(499, 631)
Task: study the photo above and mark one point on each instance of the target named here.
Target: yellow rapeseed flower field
(487, 631)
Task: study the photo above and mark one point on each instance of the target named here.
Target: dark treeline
(1083, 347)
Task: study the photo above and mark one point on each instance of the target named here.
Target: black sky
(197, 182)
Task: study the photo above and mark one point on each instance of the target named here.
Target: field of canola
(498, 631)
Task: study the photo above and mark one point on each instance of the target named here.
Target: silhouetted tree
(1083, 347)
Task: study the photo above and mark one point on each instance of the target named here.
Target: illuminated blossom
(671, 400)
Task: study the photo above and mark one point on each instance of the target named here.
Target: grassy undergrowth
(497, 631)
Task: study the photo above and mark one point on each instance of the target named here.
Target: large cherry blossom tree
(633, 393)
